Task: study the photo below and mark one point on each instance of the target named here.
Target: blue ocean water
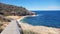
(44, 18)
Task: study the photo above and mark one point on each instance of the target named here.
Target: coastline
(38, 29)
(21, 18)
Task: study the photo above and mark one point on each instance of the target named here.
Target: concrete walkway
(12, 28)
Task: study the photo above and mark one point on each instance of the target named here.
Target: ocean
(44, 18)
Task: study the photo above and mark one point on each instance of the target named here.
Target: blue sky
(35, 4)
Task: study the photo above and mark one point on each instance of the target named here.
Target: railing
(13, 28)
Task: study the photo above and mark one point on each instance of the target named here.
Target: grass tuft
(29, 32)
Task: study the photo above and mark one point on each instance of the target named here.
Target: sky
(35, 4)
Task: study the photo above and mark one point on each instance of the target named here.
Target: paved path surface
(12, 28)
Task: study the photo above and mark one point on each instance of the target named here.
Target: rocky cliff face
(7, 9)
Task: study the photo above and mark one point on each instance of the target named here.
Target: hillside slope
(7, 9)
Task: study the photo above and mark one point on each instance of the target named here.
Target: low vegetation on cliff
(6, 9)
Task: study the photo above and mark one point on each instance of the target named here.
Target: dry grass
(3, 26)
(14, 17)
(39, 29)
(29, 32)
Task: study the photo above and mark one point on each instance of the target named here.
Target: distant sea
(44, 18)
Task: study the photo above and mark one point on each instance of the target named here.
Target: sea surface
(44, 18)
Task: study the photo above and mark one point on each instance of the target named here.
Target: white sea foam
(32, 15)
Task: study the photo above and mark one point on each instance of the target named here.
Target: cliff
(6, 9)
